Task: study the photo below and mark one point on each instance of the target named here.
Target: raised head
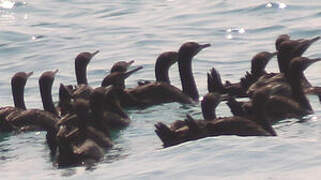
(118, 78)
(81, 62)
(185, 55)
(18, 83)
(259, 62)
(163, 63)
(285, 54)
(19, 80)
(299, 64)
(45, 85)
(303, 45)
(280, 39)
(121, 66)
(47, 77)
(290, 49)
(190, 49)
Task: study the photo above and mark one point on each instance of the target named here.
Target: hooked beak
(271, 56)
(55, 71)
(29, 74)
(201, 46)
(204, 46)
(312, 61)
(94, 53)
(129, 63)
(315, 39)
(127, 74)
(304, 45)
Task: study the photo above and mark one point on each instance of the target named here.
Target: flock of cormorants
(78, 128)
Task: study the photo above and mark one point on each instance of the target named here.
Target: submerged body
(258, 64)
(190, 129)
(287, 51)
(288, 98)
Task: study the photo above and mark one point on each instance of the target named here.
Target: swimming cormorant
(82, 90)
(37, 119)
(162, 92)
(258, 64)
(18, 82)
(287, 51)
(163, 62)
(283, 105)
(259, 125)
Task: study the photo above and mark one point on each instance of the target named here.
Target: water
(45, 35)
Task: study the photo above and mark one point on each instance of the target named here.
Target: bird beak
(29, 74)
(55, 71)
(312, 61)
(94, 53)
(129, 63)
(204, 46)
(127, 74)
(201, 46)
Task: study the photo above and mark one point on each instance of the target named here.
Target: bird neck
(161, 73)
(295, 81)
(18, 96)
(187, 78)
(81, 74)
(46, 96)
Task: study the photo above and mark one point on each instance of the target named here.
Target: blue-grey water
(45, 35)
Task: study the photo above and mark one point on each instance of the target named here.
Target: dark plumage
(104, 110)
(107, 110)
(82, 90)
(162, 92)
(36, 119)
(81, 63)
(192, 129)
(163, 62)
(287, 51)
(79, 140)
(258, 64)
(18, 83)
(121, 66)
(283, 104)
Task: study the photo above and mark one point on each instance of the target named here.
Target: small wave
(267, 28)
(261, 8)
